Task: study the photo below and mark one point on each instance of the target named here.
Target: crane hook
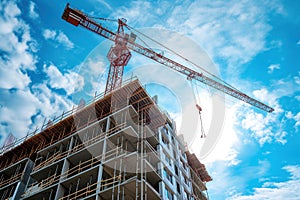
(203, 135)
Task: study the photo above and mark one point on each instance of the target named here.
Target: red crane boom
(119, 56)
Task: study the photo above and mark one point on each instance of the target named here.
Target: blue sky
(46, 64)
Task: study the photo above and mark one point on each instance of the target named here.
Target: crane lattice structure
(119, 55)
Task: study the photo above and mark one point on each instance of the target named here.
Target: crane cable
(131, 28)
(114, 20)
(104, 19)
(197, 99)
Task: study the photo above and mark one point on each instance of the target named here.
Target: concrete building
(118, 146)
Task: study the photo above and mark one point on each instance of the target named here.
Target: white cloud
(96, 72)
(233, 30)
(59, 37)
(229, 182)
(10, 9)
(12, 78)
(137, 9)
(227, 147)
(95, 66)
(20, 118)
(16, 46)
(63, 39)
(265, 128)
(271, 127)
(51, 103)
(152, 12)
(103, 2)
(273, 67)
(289, 115)
(23, 104)
(276, 190)
(16, 59)
(70, 81)
(49, 34)
(32, 10)
(222, 180)
(10, 101)
(297, 119)
(93, 71)
(297, 79)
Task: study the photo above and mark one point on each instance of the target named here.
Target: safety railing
(11, 179)
(55, 120)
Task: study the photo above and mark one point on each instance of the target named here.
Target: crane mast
(119, 56)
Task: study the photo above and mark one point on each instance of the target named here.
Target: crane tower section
(118, 55)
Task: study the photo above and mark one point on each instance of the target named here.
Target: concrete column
(100, 172)
(60, 192)
(65, 168)
(60, 189)
(21, 186)
(71, 143)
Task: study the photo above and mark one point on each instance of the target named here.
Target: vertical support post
(99, 178)
(21, 186)
(113, 179)
(142, 157)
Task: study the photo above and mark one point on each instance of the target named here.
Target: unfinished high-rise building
(117, 146)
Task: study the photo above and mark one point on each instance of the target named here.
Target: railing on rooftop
(58, 119)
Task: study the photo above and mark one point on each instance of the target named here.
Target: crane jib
(197, 76)
(76, 18)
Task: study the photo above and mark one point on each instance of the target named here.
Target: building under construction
(117, 146)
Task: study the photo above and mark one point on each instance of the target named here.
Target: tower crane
(119, 55)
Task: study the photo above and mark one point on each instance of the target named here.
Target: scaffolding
(79, 117)
(109, 149)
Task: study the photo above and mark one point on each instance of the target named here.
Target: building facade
(120, 146)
